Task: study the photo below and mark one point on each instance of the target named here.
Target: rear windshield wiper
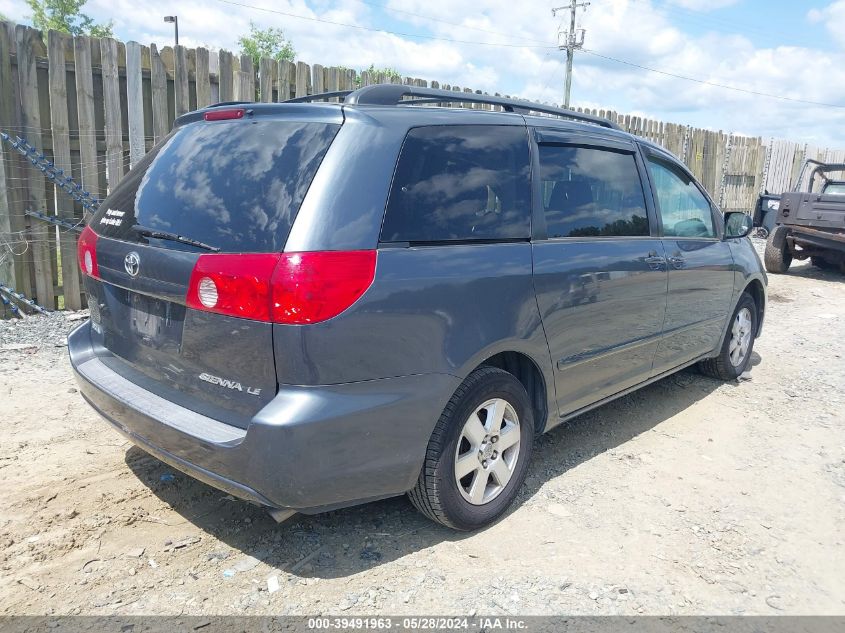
(173, 237)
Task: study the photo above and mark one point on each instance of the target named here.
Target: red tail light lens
(236, 285)
(86, 252)
(314, 287)
(224, 115)
(292, 288)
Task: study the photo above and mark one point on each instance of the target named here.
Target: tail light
(86, 252)
(292, 288)
(236, 285)
(314, 287)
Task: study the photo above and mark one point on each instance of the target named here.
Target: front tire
(735, 353)
(478, 454)
(777, 257)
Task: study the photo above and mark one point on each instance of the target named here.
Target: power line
(711, 83)
(375, 30)
(441, 21)
(543, 47)
(697, 16)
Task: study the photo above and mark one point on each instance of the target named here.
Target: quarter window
(684, 211)
(590, 192)
(468, 182)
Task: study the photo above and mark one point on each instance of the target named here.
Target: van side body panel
(431, 309)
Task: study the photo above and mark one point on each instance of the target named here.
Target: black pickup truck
(810, 221)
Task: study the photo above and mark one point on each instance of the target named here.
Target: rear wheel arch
(528, 372)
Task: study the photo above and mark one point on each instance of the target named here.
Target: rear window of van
(236, 186)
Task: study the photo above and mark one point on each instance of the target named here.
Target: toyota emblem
(132, 263)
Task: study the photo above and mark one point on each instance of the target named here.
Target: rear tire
(742, 329)
(466, 437)
(777, 257)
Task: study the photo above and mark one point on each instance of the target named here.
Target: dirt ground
(687, 497)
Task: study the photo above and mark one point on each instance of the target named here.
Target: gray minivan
(314, 305)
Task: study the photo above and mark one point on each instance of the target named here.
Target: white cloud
(632, 30)
(703, 5)
(833, 19)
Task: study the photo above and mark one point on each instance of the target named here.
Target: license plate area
(155, 322)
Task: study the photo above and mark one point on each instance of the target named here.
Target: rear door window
(591, 192)
(684, 211)
(458, 183)
(235, 185)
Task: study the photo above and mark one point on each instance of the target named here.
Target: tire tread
(775, 257)
(719, 367)
(425, 495)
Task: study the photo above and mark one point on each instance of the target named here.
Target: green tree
(390, 72)
(269, 42)
(66, 15)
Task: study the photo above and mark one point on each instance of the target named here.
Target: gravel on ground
(689, 496)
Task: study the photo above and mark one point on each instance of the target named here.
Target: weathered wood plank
(111, 108)
(180, 81)
(247, 79)
(266, 75)
(29, 45)
(242, 86)
(303, 79)
(7, 263)
(85, 115)
(318, 79)
(135, 102)
(203, 78)
(158, 87)
(287, 73)
(225, 76)
(11, 214)
(58, 47)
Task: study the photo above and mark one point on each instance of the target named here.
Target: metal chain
(56, 175)
(724, 182)
(19, 296)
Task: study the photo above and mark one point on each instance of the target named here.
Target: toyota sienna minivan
(317, 304)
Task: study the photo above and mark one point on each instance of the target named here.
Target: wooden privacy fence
(94, 107)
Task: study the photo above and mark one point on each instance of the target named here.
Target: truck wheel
(478, 454)
(777, 257)
(735, 353)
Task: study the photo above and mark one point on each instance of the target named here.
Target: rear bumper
(809, 238)
(310, 449)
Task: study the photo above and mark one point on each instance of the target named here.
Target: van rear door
(214, 200)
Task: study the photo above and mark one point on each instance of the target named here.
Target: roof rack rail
(392, 94)
(319, 96)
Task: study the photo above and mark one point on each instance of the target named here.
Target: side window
(589, 192)
(684, 210)
(460, 182)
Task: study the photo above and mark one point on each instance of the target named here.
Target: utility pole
(573, 41)
(173, 19)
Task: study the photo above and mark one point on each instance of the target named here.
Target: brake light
(314, 287)
(86, 252)
(292, 288)
(224, 115)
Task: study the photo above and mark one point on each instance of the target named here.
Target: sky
(793, 50)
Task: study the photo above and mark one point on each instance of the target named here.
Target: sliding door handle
(655, 261)
(677, 262)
